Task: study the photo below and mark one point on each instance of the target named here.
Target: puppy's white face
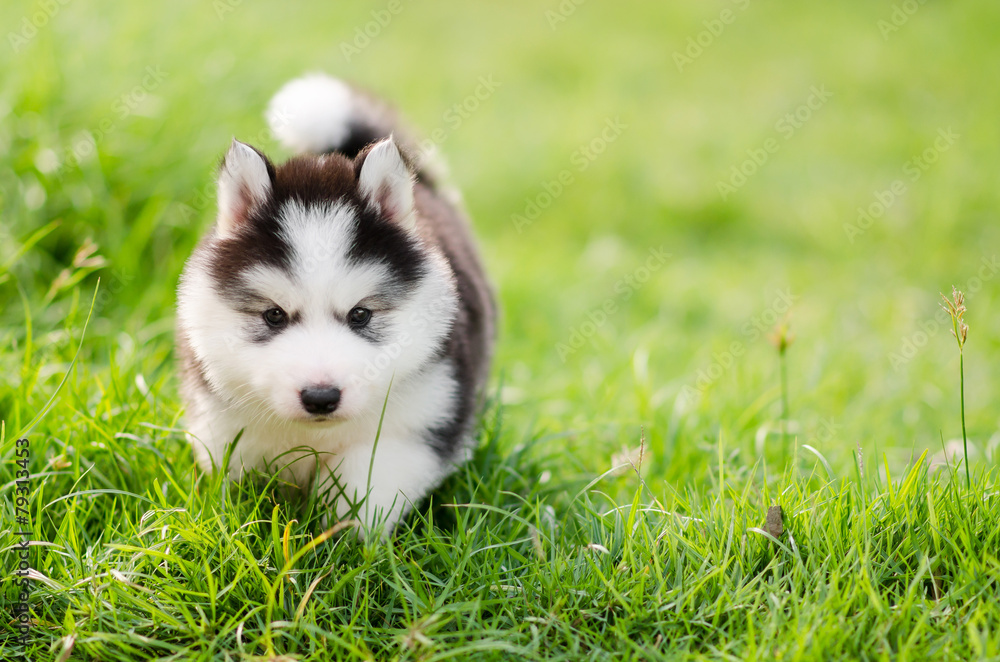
(307, 311)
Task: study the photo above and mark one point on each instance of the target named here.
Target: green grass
(534, 550)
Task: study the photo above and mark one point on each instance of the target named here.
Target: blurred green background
(113, 117)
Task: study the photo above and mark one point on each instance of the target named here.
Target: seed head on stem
(782, 337)
(955, 307)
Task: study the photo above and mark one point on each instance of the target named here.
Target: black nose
(320, 400)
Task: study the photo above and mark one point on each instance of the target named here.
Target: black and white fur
(325, 280)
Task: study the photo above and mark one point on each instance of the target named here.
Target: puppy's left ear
(387, 183)
(244, 182)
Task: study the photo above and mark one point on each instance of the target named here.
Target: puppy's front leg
(401, 470)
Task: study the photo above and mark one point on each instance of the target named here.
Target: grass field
(656, 186)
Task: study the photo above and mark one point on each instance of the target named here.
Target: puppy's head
(315, 287)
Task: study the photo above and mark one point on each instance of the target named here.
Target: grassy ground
(640, 276)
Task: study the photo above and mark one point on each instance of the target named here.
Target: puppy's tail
(319, 114)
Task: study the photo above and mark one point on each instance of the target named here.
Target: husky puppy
(335, 322)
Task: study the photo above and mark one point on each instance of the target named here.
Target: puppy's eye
(359, 317)
(275, 317)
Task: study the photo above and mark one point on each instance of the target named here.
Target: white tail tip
(311, 113)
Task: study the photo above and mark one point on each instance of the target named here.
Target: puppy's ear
(244, 181)
(387, 183)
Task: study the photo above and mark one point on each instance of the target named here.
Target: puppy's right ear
(244, 181)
